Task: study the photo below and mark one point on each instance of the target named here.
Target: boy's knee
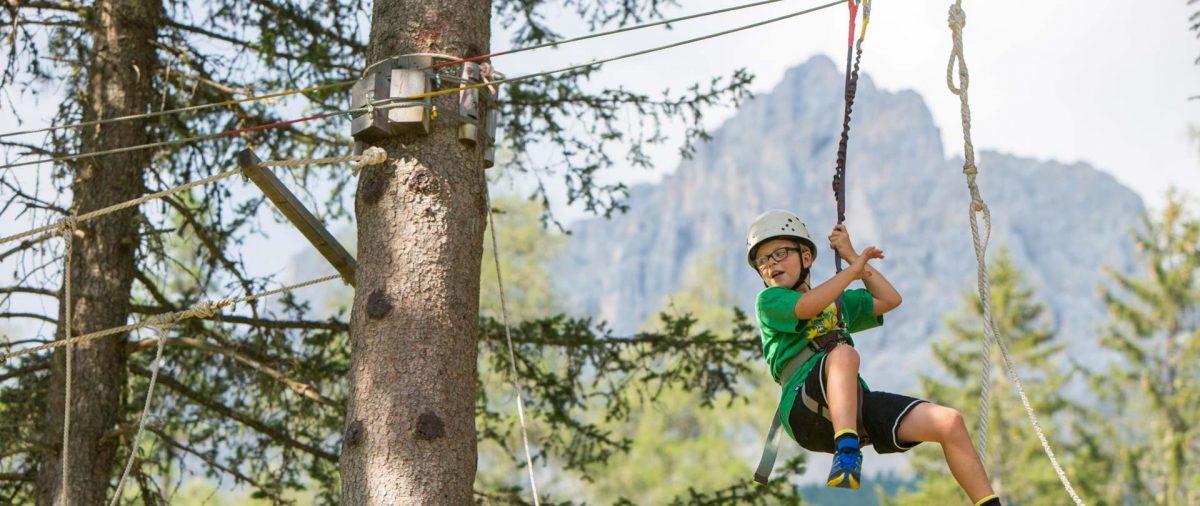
(951, 420)
(844, 354)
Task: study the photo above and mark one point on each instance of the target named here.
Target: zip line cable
(397, 101)
(594, 63)
(343, 84)
(602, 34)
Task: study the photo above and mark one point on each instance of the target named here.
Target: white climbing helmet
(776, 224)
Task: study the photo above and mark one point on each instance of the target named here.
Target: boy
(825, 406)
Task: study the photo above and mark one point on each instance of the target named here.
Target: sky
(1104, 82)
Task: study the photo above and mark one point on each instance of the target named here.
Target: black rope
(839, 174)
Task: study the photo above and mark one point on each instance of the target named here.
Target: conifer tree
(1019, 470)
(1151, 392)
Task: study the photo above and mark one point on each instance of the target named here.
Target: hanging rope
(68, 231)
(512, 357)
(957, 20)
(161, 331)
(851, 87)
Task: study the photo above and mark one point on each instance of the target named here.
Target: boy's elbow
(884, 306)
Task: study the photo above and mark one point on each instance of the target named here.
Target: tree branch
(304, 389)
(26, 476)
(206, 239)
(311, 26)
(262, 428)
(23, 371)
(26, 244)
(170, 441)
(31, 316)
(247, 44)
(51, 6)
(26, 289)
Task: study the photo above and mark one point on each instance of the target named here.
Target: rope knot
(206, 308)
(163, 319)
(958, 17)
(67, 225)
(970, 169)
(374, 155)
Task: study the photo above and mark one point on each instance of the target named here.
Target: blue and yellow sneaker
(847, 469)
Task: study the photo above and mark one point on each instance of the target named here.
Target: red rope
(278, 124)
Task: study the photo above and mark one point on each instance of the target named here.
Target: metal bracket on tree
(396, 94)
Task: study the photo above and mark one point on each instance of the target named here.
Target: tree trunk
(410, 425)
(119, 82)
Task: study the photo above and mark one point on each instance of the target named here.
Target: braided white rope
(133, 445)
(957, 20)
(202, 309)
(512, 358)
(369, 157)
(68, 232)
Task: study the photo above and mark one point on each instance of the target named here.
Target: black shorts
(881, 416)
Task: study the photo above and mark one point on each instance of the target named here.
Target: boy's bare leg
(934, 423)
(841, 387)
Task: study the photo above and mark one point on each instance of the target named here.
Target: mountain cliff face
(1061, 223)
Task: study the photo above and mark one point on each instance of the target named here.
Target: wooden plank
(301, 218)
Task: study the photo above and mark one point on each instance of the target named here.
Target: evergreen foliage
(1019, 470)
(1150, 395)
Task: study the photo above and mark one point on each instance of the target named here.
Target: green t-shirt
(784, 335)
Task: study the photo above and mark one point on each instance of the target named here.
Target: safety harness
(826, 343)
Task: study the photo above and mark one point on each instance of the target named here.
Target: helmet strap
(803, 274)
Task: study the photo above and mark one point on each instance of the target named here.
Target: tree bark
(410, 429)
(119, 82)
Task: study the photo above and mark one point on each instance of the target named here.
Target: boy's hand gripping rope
(957, 20)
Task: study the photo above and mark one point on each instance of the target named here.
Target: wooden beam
(301, 218)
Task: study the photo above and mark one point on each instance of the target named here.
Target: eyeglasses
(778, 256)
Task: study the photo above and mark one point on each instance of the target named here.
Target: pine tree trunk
(410, 425)
(119, 82)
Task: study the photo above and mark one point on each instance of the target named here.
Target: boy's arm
(821, 296)
(886, 298)
(885, 295)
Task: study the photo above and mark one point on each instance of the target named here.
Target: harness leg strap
(770, 451)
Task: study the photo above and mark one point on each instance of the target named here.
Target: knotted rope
(957, 20)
